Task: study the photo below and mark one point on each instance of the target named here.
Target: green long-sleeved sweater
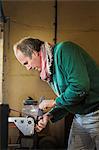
(75, 80)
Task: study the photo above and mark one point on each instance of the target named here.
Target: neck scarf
(46, 61)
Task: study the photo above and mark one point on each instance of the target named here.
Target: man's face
(29, 63)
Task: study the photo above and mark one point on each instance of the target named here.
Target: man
(74, 77)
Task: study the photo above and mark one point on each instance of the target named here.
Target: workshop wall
(28, 18)
(78, 21)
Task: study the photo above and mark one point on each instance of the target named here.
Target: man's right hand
(42, 123)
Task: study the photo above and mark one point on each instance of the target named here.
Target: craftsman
(74, 77)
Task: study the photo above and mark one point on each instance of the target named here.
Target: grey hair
(27, 45)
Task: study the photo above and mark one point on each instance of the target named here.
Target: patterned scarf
(46, 61)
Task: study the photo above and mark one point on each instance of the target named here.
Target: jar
(30, 107)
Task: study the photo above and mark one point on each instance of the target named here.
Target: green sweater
(75, 80)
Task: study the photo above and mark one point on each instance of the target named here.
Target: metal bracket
(24, 124)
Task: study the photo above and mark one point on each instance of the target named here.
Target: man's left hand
(45, 104)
